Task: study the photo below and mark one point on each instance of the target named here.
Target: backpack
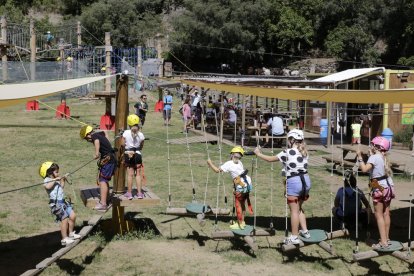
(350, 203)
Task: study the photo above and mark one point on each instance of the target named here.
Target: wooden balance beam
(323, 244)
(399, 254)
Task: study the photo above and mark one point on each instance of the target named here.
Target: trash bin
(324, 131)
(388, 134)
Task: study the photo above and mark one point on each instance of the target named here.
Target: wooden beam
(366, 255)
(250, 242)
(333, 235)
(327, 247)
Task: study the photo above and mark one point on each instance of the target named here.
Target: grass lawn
(165, 245)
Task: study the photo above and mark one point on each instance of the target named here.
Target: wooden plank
(46, 262)
(360, 256)
(86, 230)
(94, 220)
(62, 251)
(327, 247)
(250, 242)
(403, 256)
(338, 161)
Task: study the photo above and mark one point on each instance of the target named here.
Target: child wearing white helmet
(59, 207)
(298, 184)
(133, 140)
(242, 184)
(381, 184)
(107, 163)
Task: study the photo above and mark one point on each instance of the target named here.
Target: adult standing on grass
(62, 210)
(298, 184)
(133, 140)
(141, 108)
(168, 101)
(381, 184)
(105, 153)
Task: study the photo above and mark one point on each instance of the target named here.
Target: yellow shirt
(356, 130)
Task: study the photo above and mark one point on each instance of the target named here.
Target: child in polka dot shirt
(298, 184)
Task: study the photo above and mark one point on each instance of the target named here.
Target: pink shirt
(186, 111)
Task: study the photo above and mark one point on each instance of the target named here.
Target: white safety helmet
(296, 134)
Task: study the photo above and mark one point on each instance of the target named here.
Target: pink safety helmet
(382, 143)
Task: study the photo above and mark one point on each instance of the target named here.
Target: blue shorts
(106, 172)
(294, 185)
(61, 211)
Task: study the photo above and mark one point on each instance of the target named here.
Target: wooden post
(3, 48)
(328, 117)
(139, 64)
(79, 34)
(221, 117)
(32, 50)
(159, 55)
(243, 120)
(120, 124)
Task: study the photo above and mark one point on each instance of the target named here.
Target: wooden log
(201, 219)
(334, 235)
(360, 256)
(290, 247)
(337, 234)
(86, 230)
(402, 256)
(61, 251)
(327, 247)
(31, 272)
(46, 262)
(405, 245)
(250, 242)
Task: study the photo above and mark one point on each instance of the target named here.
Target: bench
(338, 162)
(276, 139)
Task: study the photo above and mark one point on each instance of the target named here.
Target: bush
(405, 136)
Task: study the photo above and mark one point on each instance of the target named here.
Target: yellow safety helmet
(237, 149)
(58, 59)
(69, 59)
(45, 167)
(85, 130)
(133, 120)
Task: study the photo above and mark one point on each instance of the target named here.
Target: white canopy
(349, 75)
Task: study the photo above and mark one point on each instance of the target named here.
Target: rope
(191, 165)
(208, 156)
(220, 178)
(181, 61)
(168, 167)
(271, 186)
(34, 185)
(286, 195)
(409, 228)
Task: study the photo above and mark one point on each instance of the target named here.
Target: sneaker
(74, 236)
(292, 240)
(128, 195)
(67, 241)
(100, 207)
(237, 226)
(305, 234)
(140, 195)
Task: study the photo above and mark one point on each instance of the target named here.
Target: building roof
(349, 75)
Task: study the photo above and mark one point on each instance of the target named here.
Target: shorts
(166, 114)
(294, 185)
(106, 172)
(377, 195)
(61, 211)
(356, 140)
(269, 131)
(134, 161)
(142, 119)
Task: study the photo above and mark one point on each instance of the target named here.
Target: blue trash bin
(324, 131)
(387, 134)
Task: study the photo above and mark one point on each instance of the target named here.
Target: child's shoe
(66, 241)
(292, 239)
(74, 236)
(128, 195)
(305, 234)
(100, 207)
(238, 226)
(140, 195)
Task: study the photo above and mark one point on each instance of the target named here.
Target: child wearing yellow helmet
(242, 184)
(133, 141)
(105, 153)
(59, 207)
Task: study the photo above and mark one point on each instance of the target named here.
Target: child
(59, 207)
(241, 182)
(133, 140)
(345, 202)
(187, 117)
(168, 101)
(298, 184)
(106, 164)
(356, 131)
(381, 184)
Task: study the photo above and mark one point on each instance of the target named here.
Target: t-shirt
(293, 162)
(276, 123)
(233, 168)
(196, 100)
(186, 111)
(105, 147)
(378, 170)
(56, 193)
(132, 142)
(167, 102)
(139, 111)
(232, 116)
(356, 130)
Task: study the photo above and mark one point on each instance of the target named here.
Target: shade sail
(11, 94)
(348, 75)
(325, 95)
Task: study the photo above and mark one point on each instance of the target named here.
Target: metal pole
(79, 34)
(4, 49)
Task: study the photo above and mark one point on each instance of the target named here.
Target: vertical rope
(409, 228)
(208, 157)
(191, 165)
(168, 167)
(286, 195)
(219, 177)
(271, 184)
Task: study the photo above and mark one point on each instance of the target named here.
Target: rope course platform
(395, 249)
(319, 239)
(92, 222)
(90, 197)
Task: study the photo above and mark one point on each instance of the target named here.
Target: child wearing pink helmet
(381, 184)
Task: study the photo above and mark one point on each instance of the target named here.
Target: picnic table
(349, 157)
